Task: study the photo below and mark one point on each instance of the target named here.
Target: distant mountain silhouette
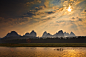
(12, 34)
(69, 35)
(66, 34)
(27, 34)
(32, 34)
(45, 34)
(59, 34)
(72, 34)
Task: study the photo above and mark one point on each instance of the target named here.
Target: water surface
(42, 51)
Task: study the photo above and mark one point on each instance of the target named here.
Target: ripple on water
(42, 51)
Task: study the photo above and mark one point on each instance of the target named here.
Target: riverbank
(43, 44)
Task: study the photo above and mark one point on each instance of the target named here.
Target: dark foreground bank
(43, 40)
(43, 44)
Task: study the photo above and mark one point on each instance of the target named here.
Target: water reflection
(42, 52)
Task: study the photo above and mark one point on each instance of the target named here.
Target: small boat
(59, 49)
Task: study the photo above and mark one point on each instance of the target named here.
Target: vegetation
(43, 44)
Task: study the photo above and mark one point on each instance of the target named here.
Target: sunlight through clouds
(46, 15)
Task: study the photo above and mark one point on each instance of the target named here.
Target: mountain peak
(12, 34)
(33, 33)
(32, 30)
(27, 34)
(60, 31)
(72, 34)
(44, 34)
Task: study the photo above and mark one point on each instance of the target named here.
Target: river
(42, 51)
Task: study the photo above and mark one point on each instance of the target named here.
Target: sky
(24, 16)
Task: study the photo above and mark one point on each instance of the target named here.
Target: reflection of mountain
(59, 34)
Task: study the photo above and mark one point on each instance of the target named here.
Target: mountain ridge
(45, 34)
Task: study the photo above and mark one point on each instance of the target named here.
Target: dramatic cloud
(50, 12)
(11, 21)
(33, 2)
(43, 15)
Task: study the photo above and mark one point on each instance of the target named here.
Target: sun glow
(69, 9)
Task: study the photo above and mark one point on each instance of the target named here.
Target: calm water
(42, 51)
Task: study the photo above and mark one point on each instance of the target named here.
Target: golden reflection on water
(42, 52)
(75, 52)
(70, 53)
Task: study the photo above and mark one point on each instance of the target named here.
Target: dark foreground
(42, 40)
(43, 44)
